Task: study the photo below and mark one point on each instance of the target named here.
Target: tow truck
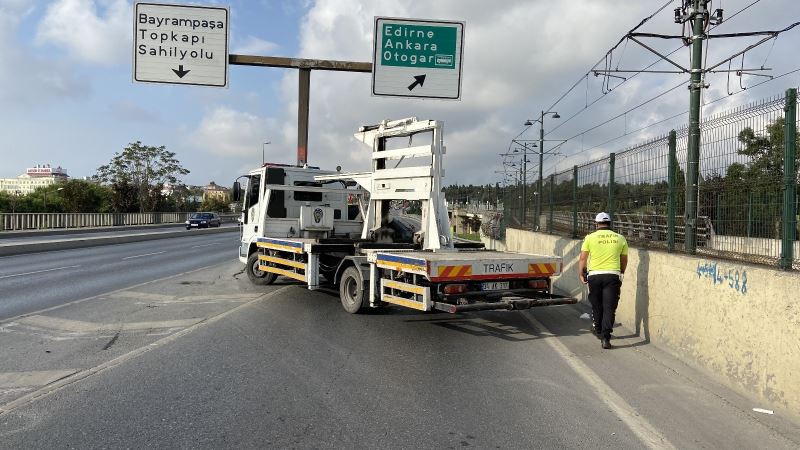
(328, 229)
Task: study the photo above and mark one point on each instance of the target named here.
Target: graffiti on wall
(723, 276)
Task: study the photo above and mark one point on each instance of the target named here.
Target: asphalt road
(46, 236)
(36, 281)
(236, 366)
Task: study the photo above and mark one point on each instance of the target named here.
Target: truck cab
(285, 201)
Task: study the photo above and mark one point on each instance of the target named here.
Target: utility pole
(539, 185)
(519, 192)
(541, 165)
(697, 17)
(524, 182)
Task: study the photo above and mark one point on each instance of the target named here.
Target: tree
(214, 204)
(44, 199)
(16, 202)
(744, 201)
(124, 197)
(78, 196)
(765, 153)
(143, 170)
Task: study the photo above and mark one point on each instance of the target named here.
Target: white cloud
(255, 46)
(97, 32)
(225, 131)
(27, 80)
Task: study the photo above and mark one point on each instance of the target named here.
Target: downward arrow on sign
(418, 80)
(180, 72)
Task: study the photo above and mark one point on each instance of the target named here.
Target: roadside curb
(68, 244)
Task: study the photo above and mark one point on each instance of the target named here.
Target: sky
(67, 96)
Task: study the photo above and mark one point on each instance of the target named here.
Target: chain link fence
(741, 199)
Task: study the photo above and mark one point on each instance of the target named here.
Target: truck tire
(258, 277)
(353, 292)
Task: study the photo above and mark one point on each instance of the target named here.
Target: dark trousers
(604, 297)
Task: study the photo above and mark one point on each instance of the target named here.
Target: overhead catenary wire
(775, 35)
(635, 73)
(603, 58)
(608, 60)
(675, 116)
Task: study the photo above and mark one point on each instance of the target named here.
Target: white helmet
(602, 217)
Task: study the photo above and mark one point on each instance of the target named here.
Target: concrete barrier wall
(739, 322)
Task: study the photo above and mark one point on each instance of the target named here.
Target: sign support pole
(304, 66)
(303, 99)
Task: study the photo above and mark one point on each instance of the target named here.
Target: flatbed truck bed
(451, 281)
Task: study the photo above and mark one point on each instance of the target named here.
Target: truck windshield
(253, 190)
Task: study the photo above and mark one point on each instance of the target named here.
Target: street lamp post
(62, 199)
(541, 158)
(262, 151)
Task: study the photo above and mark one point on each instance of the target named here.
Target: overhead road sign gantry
(180, 44)
(417, 58)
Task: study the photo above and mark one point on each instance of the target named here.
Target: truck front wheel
(256, 276)
(353, 291)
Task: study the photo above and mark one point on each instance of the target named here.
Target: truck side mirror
(237, 191)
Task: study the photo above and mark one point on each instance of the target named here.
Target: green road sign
(417, 58)
(418, 46)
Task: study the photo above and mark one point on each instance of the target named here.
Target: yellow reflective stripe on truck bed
(283, 262)
(285, 273)
(283, 248)
(391, 284)
(403, 302)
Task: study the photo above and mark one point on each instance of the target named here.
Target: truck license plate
(495, 286)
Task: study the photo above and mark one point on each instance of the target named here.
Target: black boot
(606, 343)
(596, 331)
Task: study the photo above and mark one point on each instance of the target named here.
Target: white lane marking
(146, 254)
(205, 245)
(39, 271)
(78, 326)
(647, 433)
(13, 380)
(142, 296)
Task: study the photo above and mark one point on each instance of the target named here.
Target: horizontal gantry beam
(300, 63)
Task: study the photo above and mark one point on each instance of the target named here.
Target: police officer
(607, 254)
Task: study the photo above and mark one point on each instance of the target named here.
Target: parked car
(203, 220)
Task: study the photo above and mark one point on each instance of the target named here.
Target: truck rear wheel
(353, 291)
(256, 276)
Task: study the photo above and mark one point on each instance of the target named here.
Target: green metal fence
(747, 207)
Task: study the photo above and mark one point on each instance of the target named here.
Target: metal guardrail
(644, 229)
(46, 221)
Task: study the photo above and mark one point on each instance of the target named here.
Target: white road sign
(180, 44)
(417, 58)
